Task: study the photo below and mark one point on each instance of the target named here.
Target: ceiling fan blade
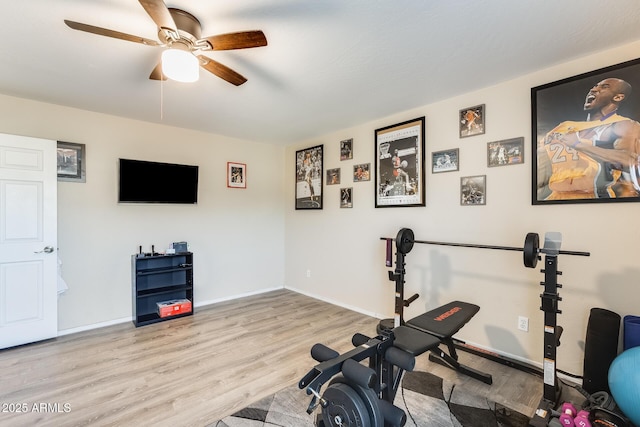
(109, 33)
(221, 71)
(241, 40)
(157, 73)
(160, 14)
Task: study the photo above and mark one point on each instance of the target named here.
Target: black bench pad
(446, 320)
(413, 341)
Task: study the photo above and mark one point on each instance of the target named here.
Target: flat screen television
(153, 182)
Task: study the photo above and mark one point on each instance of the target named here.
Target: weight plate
(404, 240)
(368, 396)
(530, 252)
(344, 407)
(371, 400)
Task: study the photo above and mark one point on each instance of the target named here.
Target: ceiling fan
(179, 32)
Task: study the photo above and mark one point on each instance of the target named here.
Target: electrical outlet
(308, 273)
(523, 323)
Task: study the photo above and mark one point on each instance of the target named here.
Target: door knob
(46, 250)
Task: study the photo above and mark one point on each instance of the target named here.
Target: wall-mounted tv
(152, 182)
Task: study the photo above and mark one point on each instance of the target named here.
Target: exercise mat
(428, 401)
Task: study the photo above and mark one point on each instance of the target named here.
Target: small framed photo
(333, 176)
(472, 121)
(362, 172)
(473, 190)
(346, 149)
(506, 152)
(236, 175)
(309, 170)
(346, 197)
(71, 162)
(445, 161)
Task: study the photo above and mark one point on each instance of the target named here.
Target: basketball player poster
(309, 170)
(586, 137)
(400, 178)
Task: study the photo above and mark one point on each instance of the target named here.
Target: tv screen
(153, 182)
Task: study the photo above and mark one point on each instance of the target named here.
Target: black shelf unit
(158, 278)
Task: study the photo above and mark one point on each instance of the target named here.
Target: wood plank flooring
(195, 370)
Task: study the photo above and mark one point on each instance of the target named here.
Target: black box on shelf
(180, 247)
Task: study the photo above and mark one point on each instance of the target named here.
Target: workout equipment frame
(362, 396)
(550, 297)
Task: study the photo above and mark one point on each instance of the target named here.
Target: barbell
(531, 250)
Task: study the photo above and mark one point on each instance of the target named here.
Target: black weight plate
(530, 252)
(371, 400)
(344, 407)
(368, 396)
(404, 240)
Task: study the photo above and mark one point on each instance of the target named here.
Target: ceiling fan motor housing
(189, 28)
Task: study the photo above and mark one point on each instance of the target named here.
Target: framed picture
(473, 190)
(362, 172)
(585, 130)
(399, 170)
(506, 152)
(472, 121)
(71, 162)
(445, 161)
(346, 197)
(346, 149)
(309, 178)
(333, 176)
(236, 175)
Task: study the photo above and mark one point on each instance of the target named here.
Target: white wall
(237, 235)
(242, 245)
(342, 247)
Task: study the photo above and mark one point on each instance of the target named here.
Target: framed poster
(71, 158)
(471, 121)
(473, 190)
(309, 178)
(346, 149)
(399, 168)
(236, 175)
(445, 161)
(506, 152)
(584, 137)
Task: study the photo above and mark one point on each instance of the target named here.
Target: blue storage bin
(631, 331)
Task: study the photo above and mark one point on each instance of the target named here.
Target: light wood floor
(195, 370)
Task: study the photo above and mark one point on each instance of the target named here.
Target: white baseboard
(94, 326)
(338, 303)
(130, 319)
(238, 296)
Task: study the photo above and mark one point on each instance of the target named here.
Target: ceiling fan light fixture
(180, 65)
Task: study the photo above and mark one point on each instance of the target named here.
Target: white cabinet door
(28, 240)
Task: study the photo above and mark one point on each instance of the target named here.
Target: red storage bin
(173, 307)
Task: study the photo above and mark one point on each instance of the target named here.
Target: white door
(28, 240)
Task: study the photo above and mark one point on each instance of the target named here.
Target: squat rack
(550, 297)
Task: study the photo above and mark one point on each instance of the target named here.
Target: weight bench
(444, 322)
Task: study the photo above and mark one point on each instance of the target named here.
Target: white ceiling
(329, 64)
